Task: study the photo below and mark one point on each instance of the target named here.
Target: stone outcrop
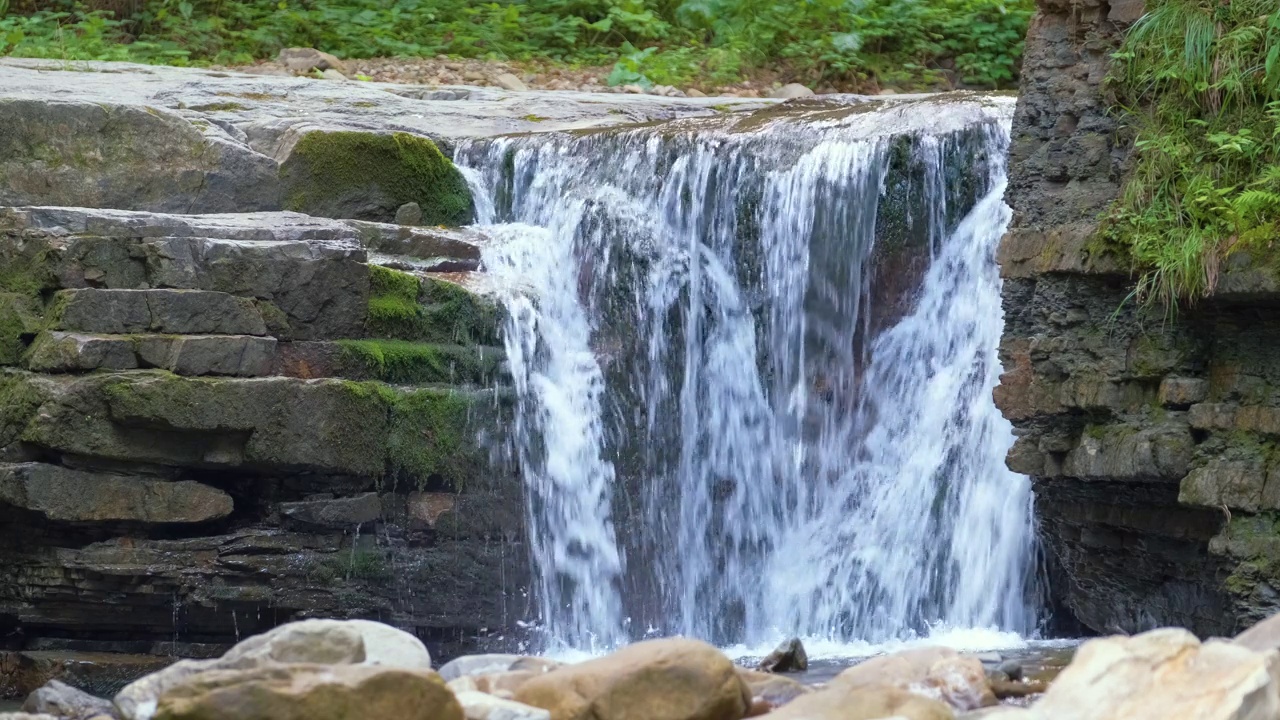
(200, 438)
(1147, 437)
(180, 140)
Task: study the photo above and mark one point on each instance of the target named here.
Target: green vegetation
(859, 43)
(1198, 82)
(436, 311)
(429, 436)
(393, 303)
(19, 400)
(339, 174)
(368, 565)
(402, 361)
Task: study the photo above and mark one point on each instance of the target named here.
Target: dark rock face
(170, 470)
(1148, 438)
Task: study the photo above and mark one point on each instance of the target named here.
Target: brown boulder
(670, 679)
(312, 692)
(867, 702)
(933, 672)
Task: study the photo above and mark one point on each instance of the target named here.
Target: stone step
(60, 493)
(176, 312)
(237, 355)
(395, 361)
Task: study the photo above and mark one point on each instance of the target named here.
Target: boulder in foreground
(1164, 674)
(203, 686)
(311, 692)
(669, 679)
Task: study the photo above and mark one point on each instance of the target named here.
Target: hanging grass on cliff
(850, 43)
(1198, 82)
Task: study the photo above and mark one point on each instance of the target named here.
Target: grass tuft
(1198, 84)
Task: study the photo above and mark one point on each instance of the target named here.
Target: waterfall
(754, 368)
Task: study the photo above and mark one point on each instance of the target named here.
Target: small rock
(59, 698)
(888, 91)
(694, 92)
(332, 74)
(633, 89)
(663, 90)
(787, 657)
(409, 214)
(1012, 668)
(791, 90)
(303, 60)
(482, 706)
(507, 81)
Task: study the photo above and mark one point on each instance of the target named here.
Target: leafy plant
(1198, 84)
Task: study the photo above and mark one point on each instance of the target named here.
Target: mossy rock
(19, 319)
(368, 176)
(20, 398)
(433, 436)
(403, 307)
(404, 361)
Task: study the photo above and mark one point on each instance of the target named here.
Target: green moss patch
(402, 307)
(403, 361)
(368, 176)
(19, 400)
(430, 436)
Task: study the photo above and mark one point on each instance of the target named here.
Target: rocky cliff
(1150, 438)
(214, 423)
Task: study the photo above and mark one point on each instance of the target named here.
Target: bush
(708, 42)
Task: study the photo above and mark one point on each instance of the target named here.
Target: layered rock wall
(1149, 437)
(214, 424)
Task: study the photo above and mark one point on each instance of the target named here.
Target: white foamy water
(719, 438)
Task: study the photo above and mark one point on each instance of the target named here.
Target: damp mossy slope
(367, 176)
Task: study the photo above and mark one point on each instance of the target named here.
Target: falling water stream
(754, 366)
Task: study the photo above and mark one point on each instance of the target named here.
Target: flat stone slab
(178, 312)
(260, 110)
(61, 493)
(60, 352)
(235, 355)
(240, 355)
(343, 513)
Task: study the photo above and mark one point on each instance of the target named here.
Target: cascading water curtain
(717, 438)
